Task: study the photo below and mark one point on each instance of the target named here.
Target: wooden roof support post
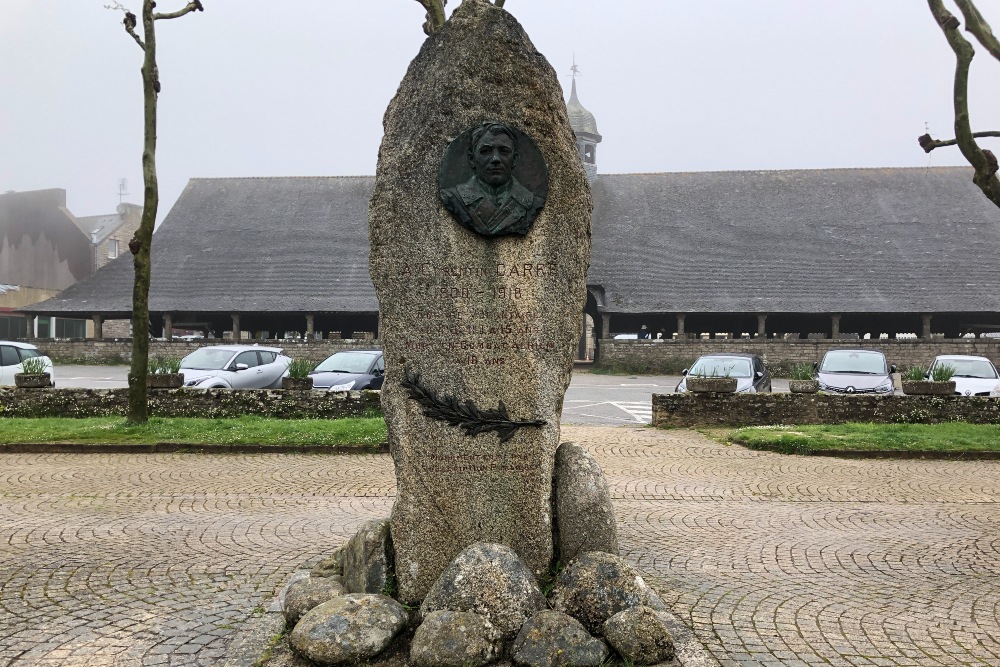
(761, 326)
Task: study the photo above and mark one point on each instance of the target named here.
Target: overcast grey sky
(298, 87)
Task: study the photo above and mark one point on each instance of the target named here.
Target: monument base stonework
(480, 241)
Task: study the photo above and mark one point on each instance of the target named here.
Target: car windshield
(207, 359)
(969, 368)
(345, 362)
(863, 363)
(721, 367)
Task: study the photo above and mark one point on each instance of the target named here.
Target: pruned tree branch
(435, 14)
(984, 162)
(194, 5)
(980, 29)
(129, 23)
(928, 143)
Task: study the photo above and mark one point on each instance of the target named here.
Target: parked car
(235, 367)
(749, 370)
(974, 376)
(13, 354)
(353, 369)
(855, 372)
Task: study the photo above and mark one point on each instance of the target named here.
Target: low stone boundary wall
(735, 410)
(212, 403)
(669, 357)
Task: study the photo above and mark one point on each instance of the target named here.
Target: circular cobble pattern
(772, 560)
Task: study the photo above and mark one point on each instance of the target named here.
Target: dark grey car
(749, 370)
(350, 370)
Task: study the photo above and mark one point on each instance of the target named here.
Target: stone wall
(671, 356)
(111, 350)
(212, 403)
(736, 410)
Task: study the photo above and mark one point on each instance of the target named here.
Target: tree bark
(984, 162)
(138, 411)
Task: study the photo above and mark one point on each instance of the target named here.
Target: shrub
(913, 373)
(803, 371)
(164, 366)
(299, 368)
(942, 373)
(33, 366)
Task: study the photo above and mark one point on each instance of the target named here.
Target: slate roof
(836, 240)
(247, 245)
(829, 240)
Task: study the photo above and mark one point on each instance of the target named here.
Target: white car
(974, 376)
(235, 367)
(13, 354)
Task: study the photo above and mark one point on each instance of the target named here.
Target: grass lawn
(950, 437)
(240, 431)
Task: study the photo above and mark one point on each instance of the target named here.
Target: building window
(112, 249)
(12, 326)
(70, 328)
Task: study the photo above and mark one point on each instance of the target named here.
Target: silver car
(13, 354)
(974, 376)
(235, 367)
(855, 372)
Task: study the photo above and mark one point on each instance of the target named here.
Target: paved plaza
(772, 560)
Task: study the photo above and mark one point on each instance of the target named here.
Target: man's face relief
(493, 159)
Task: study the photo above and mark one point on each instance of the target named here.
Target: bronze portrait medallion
(493, 180)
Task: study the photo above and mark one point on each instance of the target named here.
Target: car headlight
(746, 390)
(347, 386)
(825, 387)
(885, 387)
(996, 391)
(196, 381)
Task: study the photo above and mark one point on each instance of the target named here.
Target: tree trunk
(138, 411)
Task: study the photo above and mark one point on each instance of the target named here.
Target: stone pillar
(98, 327)
(236, 326)
(835, 327)
(762, 326)
(926, 331)
(478, 481)
(168, 326)
(309, 326)
(680, 325)
(605, 325)
(581, 349)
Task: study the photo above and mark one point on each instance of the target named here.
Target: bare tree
(435, 13)
(982, 160)
(142, 240)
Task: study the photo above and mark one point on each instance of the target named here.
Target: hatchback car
(974, 376)
(855, 372)
(346, 370)
(13, 354)
(749, 370)
(235, 367)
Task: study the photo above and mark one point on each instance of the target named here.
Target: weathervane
(574, 68)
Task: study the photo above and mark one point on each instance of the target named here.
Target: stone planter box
(298, 384)
(928, 388)
(32, 381)
(716, 385)
(165, 381)
(803, 386)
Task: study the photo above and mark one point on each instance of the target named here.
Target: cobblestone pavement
(773, 560)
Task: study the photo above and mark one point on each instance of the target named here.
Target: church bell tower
(585, 127)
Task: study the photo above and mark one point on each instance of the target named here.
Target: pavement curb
(175, 447)
(880, 454)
